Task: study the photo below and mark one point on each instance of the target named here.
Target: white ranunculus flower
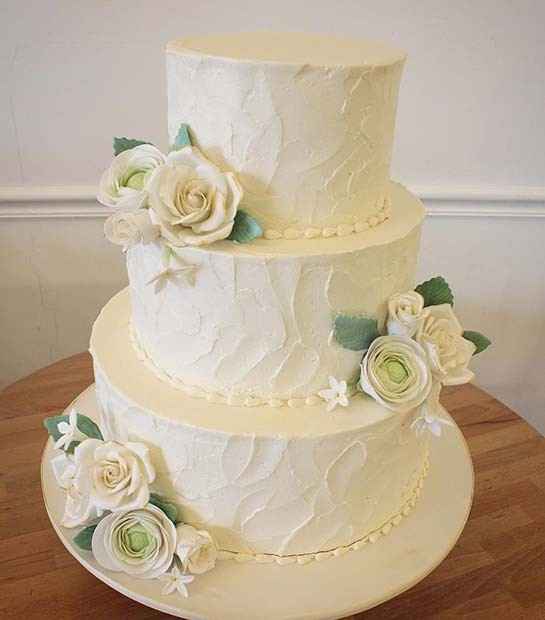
(405, 313)
(395, 372)
(196, 549)
(192, 201)
(139, 542)
(126, 228)
(107, 476)
(123, 185)
(449, 353)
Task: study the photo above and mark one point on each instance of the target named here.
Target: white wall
(470, 138)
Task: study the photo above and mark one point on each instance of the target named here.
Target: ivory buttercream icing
(307, 122)
(256, 320)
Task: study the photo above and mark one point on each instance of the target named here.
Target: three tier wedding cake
(269, 381)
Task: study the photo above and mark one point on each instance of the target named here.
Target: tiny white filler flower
(69, 431)
(336, 394)
(175, 580)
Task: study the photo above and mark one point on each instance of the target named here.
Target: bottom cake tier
(267, 483)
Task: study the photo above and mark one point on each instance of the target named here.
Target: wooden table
(497, 569)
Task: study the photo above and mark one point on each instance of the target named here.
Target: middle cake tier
(249, 324)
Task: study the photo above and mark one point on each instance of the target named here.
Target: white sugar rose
(449, 353)
(126, 228)
(196, 549)
(107, 476)
(140, 542)
(123, 185)
(405, 313)
(395, 372)
(192, 201)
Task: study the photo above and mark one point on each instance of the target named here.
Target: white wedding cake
(270, 378)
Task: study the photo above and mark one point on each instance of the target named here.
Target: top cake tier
(305, 121)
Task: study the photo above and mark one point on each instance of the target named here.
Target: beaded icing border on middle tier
(371, 538)
(341, 230)
(233, 400)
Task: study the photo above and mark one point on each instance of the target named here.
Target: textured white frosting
(306, 122)
(262, 480)
(258, 320)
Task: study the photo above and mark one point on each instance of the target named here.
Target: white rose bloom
(123, 184)
(395, 372)
(126, 228)
(140, 542)
(107, 476)
(196, 549)
(448, 352)
(192, 201)
(405, 313)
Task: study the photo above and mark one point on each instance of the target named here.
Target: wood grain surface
(497, 569)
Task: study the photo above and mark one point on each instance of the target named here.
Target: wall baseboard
(78, 201)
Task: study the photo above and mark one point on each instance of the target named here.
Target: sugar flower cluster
(127, 527)
(181, 198)
(424, 347)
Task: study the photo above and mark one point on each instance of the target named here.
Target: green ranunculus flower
(123, 185)
(137, 542)
(395, 373)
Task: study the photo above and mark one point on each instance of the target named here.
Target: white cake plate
(334, 588)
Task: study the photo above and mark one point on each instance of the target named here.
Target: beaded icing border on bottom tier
(371, 538)
(234, 400)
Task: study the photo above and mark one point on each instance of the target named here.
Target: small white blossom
(431, 423)
(174, 270)
(69, 431)
(336, 394)
(176, 581)
(427, 420)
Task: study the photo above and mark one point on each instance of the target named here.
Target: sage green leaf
(85, 425)
(124, 144)
(182, 138)
(355, 332)
(435, 292)
(479, 340)
(245, 228)
(84, 537)
(170, 509)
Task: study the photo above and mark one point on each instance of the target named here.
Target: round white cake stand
(333, 588)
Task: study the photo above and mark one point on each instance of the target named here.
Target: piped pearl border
(233, 400)
(341, 230)
(371, 538)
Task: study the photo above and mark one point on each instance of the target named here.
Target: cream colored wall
(55, 275)
(470, 138)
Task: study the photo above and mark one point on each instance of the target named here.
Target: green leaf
(171, 510)
(355, 332)
(435, 292)
(182, 138)
(84, 537)
(479, 340)
(245, 228)
(85, 425)
(124, 144)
